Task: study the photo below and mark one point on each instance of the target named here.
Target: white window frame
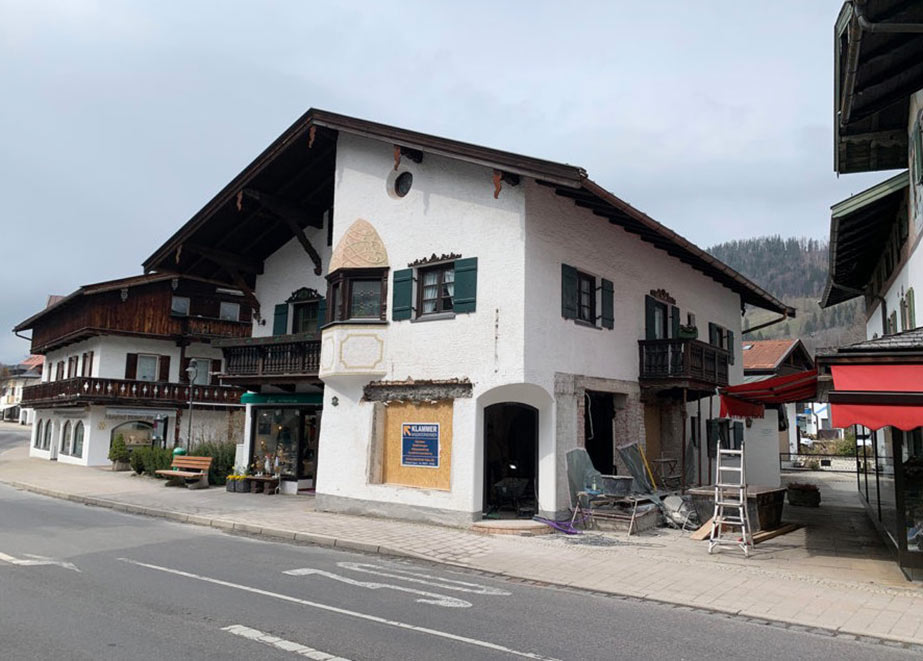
(197, 361)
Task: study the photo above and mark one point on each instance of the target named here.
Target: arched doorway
(510, 460)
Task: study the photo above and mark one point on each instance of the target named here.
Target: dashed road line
(281, 643)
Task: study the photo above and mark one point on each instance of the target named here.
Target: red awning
(854, 381)
(748, 400)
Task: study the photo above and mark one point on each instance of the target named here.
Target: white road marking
(425, 579)
(427, 597)
(281, 643)
(37, 560)
(343, 611)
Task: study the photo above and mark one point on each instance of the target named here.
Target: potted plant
(231, 483)
(802, 494)
(688, 332)
(119, 454)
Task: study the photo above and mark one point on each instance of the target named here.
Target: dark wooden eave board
(618, 212)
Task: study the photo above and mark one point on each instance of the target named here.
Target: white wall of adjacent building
(909, 274)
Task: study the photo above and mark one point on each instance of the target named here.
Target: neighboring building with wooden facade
(20, 376)
(875, 255)
(117, 362)
(439, 323)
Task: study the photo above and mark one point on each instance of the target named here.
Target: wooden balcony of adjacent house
(279, 359)
(670, 366)
(85, 390)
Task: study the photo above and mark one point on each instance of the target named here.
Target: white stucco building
(439, 323)
(875, 255)
(20, 376)
(121, 360)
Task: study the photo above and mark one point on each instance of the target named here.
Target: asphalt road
(130, 587)
(12, 435)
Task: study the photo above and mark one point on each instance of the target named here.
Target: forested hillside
(795, 270)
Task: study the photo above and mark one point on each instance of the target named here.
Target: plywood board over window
(424, 477)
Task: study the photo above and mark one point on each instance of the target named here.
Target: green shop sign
(282, 398)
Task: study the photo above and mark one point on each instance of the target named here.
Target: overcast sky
(119, 120)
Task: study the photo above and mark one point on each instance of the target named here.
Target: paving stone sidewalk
(794, 579)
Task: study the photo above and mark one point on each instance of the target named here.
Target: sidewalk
(832, 575)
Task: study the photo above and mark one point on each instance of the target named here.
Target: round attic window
(402, 184)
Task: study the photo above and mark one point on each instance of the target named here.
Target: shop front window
(275, 446)
(912, 463)
(136, 433)
(78, 440)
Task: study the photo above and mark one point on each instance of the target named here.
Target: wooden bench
(193, 471)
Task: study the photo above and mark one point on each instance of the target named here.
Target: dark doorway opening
(599, 409)
(510, 460)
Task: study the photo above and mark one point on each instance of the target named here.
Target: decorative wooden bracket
(500, 177)
(291, 215)
(312, 133)
(414, 155)
(242, 285)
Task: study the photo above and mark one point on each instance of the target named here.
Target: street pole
(192, 372)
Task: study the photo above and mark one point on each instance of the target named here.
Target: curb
(366, 547)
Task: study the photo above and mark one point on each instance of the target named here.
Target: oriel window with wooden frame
(357, 294)
(437, 289)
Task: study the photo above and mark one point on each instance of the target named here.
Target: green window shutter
(737, 435)
(713, 332)
(280, 319)
(911, 309)
(608, 306)
(650, 312)
(731, 347)
(321, 312)
(466, 285)
(918, 153)
(568, 292)
(402, 296)
(674, 321)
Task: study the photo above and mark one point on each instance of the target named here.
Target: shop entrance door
(307, 477)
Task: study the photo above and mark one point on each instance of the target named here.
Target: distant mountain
(794, 270)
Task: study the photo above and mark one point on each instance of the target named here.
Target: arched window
(78, 440)
(46, 439)
(134, 433)
(38, 434)
(66, 438)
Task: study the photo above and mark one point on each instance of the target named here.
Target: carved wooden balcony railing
(272, 358)
(89, 390)
(683, 360)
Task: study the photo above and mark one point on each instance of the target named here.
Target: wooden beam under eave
(225, 258)
(285, 209)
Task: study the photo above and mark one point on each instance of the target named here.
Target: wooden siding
(146, 312)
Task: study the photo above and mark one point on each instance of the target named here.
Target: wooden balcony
(90, 390)
(276, 359)
(682, 364)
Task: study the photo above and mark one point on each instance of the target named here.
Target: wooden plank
(784, 529)
(703, 532)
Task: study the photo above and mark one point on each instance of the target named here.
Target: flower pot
(243, 486)
(803, 497)
(121, 466)
(230, 486)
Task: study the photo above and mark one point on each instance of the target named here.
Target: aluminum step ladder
(731, 504)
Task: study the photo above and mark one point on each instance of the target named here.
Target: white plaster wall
(560, 232)
(450, 209)
(109, 354)
(286, 270)
(761, 451)
(209, 425)
(910, 273)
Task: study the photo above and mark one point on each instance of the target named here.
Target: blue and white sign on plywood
(420, 444)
